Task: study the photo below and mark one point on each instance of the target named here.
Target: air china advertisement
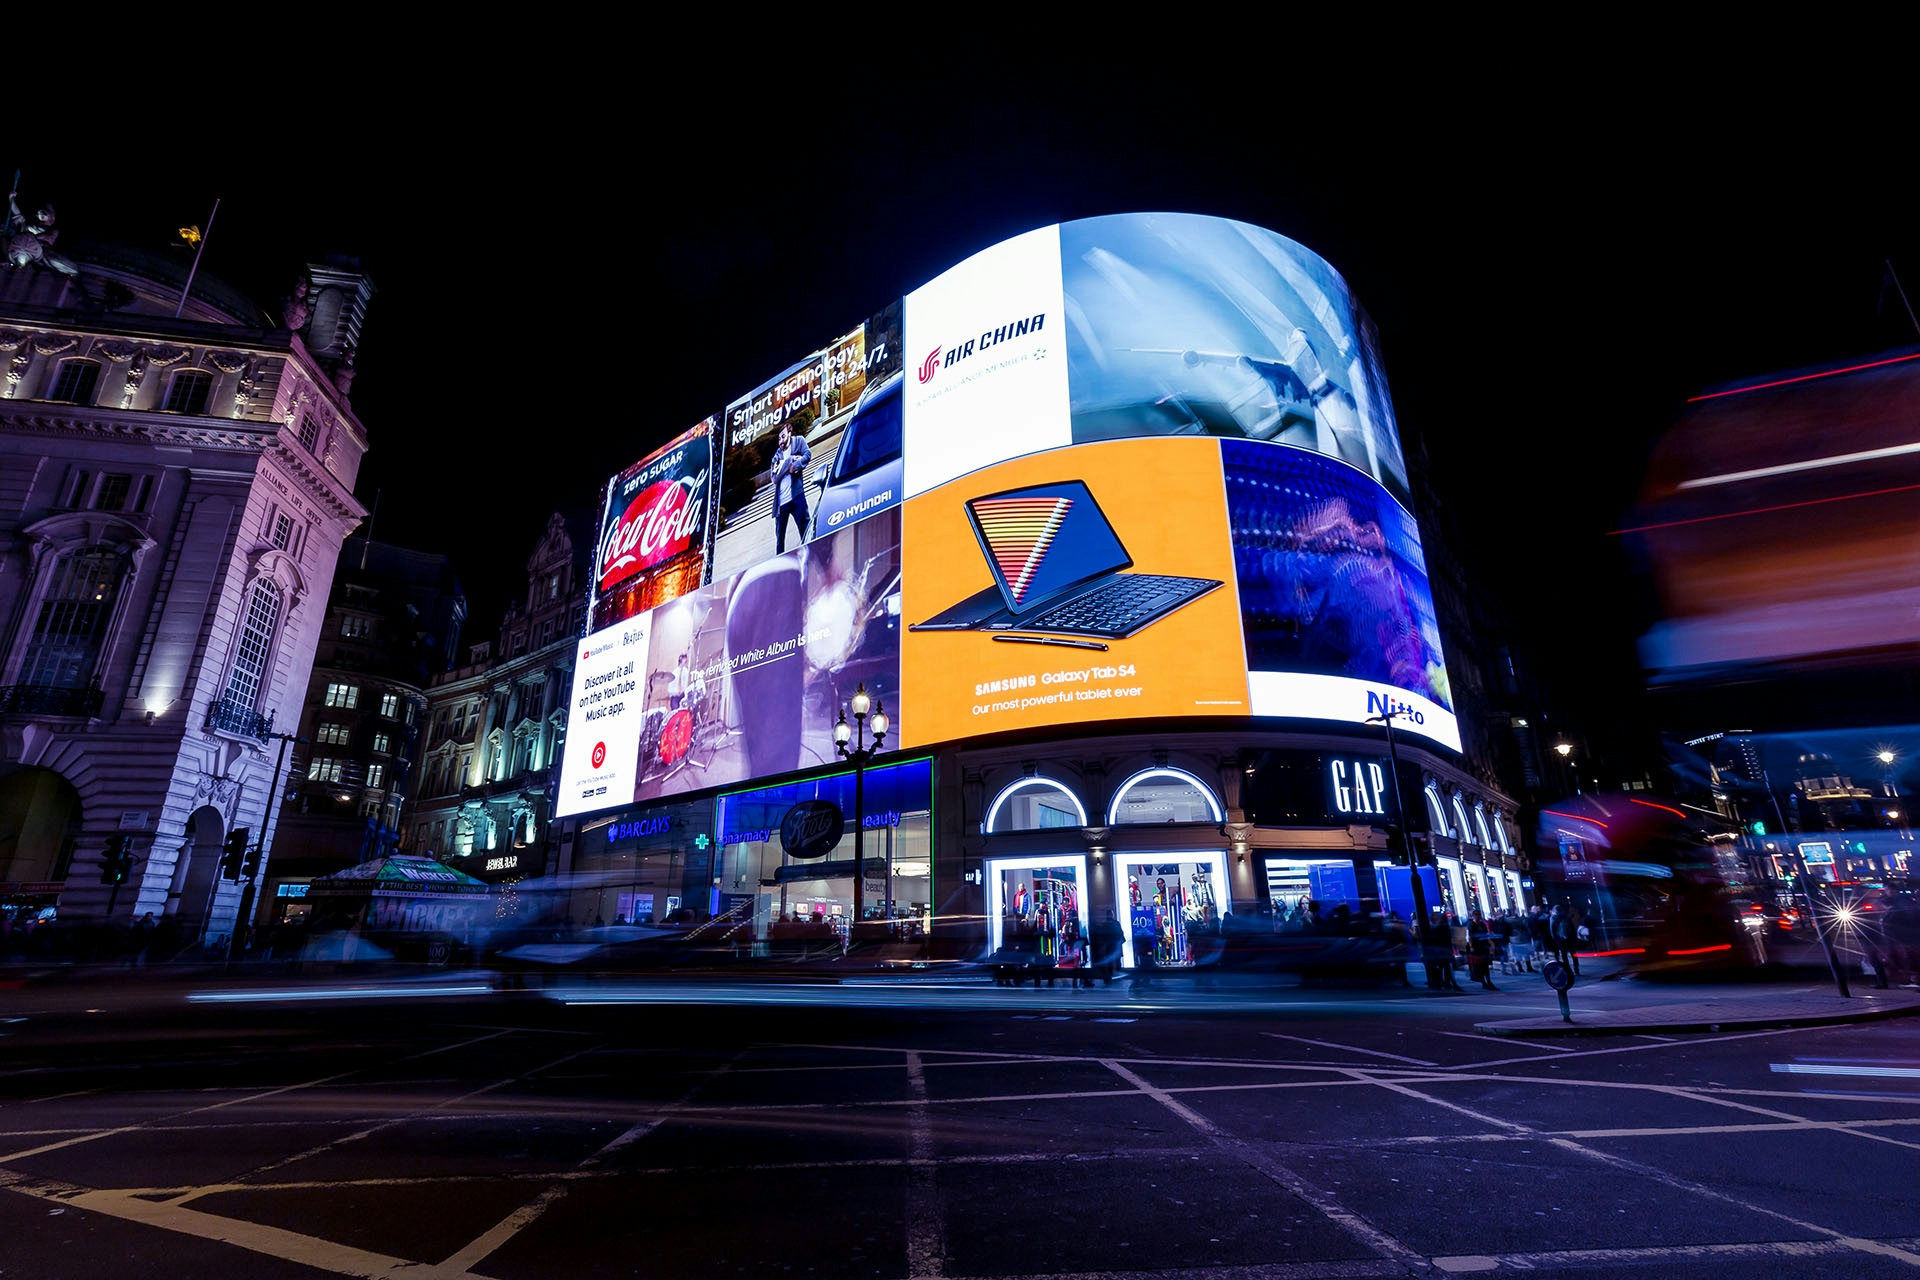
(1130, 467)
(653, 532)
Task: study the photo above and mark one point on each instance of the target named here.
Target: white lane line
(514, 1223)
(1639, 1048)
(1355, 1225)
(410, 1117)
(1830, 1069)
(1511, 1044)
(1352, 1048)
(1661, 1176)
(926, 1217)
(495, 1236)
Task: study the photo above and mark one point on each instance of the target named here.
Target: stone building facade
(176, 480)
(481, 797)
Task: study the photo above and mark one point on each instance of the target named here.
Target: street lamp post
(1422, 921)
(851, 741)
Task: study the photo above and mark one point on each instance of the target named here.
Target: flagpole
(197, 251)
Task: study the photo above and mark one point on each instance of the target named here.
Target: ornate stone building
(176, 479)
(482, 795)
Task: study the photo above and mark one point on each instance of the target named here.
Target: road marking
(408, 1118)
(1355, 1225)
(1825, 1069)
(1661, 1176)
(1524, 1044)
(926, 1219)
(289, 1246)
(1352, 1048)
(1640, 1048)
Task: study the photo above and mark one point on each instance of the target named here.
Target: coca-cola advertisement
(654, 532)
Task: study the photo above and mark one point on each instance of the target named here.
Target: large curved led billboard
(1130, 467)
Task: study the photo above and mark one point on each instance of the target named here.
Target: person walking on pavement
(1561, 927)
(1520, 944)
(1480, 951)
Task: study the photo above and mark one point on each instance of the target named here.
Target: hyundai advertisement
(1130, 467)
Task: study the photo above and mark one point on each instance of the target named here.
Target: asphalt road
(931, 1129)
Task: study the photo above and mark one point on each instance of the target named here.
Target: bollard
(1560, 978)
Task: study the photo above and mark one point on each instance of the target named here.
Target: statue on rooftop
(30, 240)
(297, 310)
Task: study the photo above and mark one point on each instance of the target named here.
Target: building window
(114, 488)
(143, 494)
(1163, 795)
(326, 769)
(82, 489)
(331, 734)
(409, 713)
(75, 381)
(390, 705)
(81, 591)
(282, 530)
(1435, 812)
(380, 741)
(1464, 830)
(187, 392)
(553, 587)
(343, 695)
(356, 628)
(1034, 804)
(546, 631)
(250, 654)
(376, 774)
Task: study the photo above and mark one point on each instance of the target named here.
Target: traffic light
(118, 863)
(251, 867)
(233, 853)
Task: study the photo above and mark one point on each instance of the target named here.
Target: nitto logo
(1385, 704)
(930, 366)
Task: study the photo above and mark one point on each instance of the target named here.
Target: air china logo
(599, 754)
(657, 525)
(972, 346)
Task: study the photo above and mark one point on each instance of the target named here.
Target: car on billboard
(867, 471)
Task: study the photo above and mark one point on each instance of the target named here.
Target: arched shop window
(1163, 795)
(1034, 804)
(1480, 820)
(1434, 811)
(1466, 831)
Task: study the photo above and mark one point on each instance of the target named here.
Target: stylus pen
(1064, 644)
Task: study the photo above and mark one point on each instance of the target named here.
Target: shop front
(786, 853)
(650, 866)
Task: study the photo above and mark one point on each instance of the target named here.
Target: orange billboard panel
(1092, 582)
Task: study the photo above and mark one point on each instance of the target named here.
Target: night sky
(1551, 278)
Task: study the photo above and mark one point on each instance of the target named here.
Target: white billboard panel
(986, 362)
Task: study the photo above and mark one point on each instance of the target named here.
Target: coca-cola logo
(930, 366)
(662, 521)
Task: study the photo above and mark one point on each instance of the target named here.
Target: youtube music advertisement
(1139, 466)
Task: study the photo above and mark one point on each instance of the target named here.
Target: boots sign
(811, 829)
